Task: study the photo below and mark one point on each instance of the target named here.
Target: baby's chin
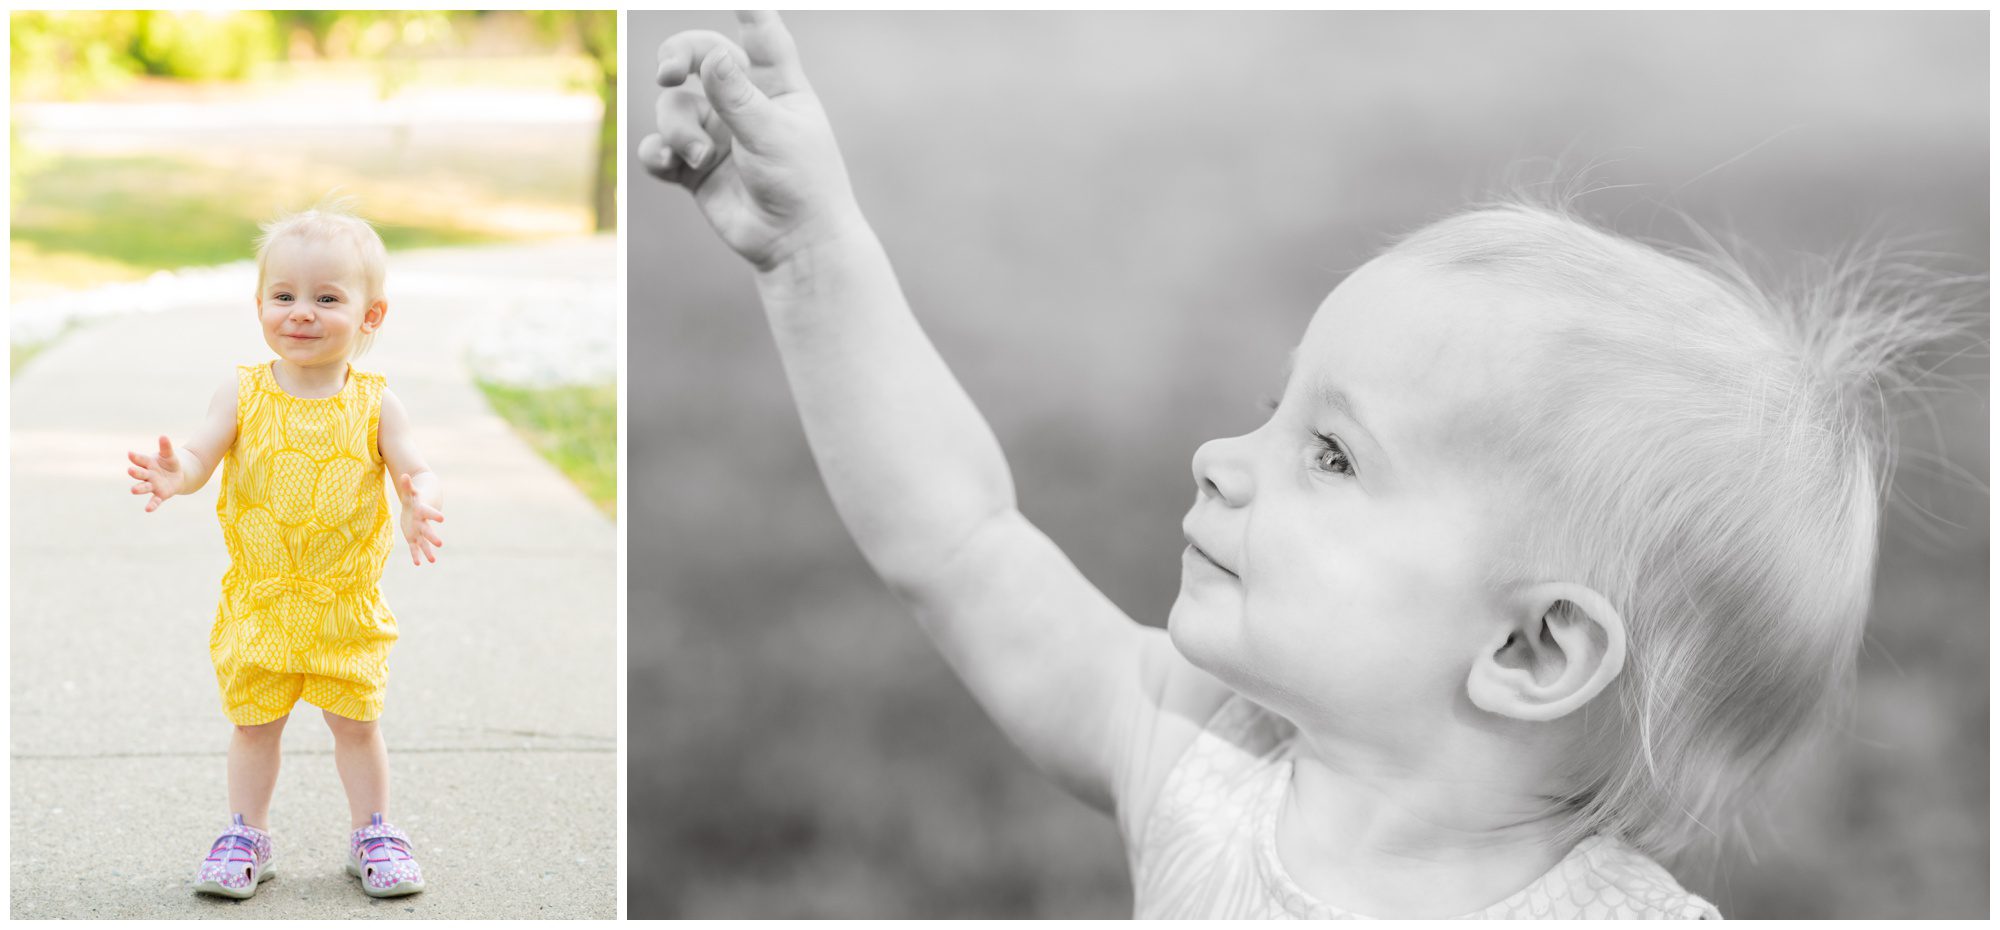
(1205, 635)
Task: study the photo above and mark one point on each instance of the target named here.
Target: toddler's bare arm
(417, 487)
(169, 473)
(912, 467)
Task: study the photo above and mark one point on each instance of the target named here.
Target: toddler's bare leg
(253, 770)
(362, 759)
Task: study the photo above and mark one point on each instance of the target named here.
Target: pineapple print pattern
(1208, 848)
(306, 520)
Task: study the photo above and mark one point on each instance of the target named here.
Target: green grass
(19, 354)
(575, 428)
(83, 219)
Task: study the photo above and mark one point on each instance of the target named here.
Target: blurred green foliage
(202, 45)
(68, 54)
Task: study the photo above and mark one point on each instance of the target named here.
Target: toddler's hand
(159, 475)
(417, 519)
(748, 138)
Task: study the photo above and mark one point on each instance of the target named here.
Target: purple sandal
(379, 855)
(239, 861)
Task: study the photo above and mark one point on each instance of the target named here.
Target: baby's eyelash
(1333, 456)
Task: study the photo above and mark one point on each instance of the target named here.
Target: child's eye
(1332, 456)
(281, 297)
(327, 298)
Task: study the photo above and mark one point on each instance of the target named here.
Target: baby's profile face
(314, 303)
(1341, 557)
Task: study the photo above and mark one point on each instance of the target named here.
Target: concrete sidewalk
(502, 707)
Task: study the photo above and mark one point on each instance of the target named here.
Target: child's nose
(1221, 470)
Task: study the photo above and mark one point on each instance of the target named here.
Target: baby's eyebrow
(1327, 394)
(1339, 401)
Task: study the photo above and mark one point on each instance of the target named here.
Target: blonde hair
(332, 220)
(1710, 455)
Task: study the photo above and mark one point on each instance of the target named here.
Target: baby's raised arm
(168, 473)
(913, 469)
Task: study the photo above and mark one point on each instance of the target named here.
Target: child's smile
(315, 303)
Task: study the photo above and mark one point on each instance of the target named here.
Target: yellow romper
(307, 525)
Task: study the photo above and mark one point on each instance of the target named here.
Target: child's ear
(377, 312)
(1563, 645)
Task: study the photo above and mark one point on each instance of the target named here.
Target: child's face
(315, 304)
(1356, 530)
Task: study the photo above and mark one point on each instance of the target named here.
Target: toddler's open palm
(417, 519)
(159, 475)
(741, 129)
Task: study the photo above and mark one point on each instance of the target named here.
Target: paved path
(501, 719)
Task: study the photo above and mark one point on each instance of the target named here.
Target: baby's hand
(159, 475)
(750, 141)
(417, 519)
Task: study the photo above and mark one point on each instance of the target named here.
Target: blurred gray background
(1114, 227)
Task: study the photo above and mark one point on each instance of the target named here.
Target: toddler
(307, 440)
(1552, 543)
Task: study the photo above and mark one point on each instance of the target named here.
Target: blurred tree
(202, 45)
(66, 55)
(596, 32)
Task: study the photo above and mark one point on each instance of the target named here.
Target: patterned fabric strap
(377, 834)
(391, 847)
(229, 844)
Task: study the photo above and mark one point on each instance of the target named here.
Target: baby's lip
(1198, 550)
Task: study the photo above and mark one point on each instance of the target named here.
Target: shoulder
(229, 395)
(1606, 878)
(392, 406)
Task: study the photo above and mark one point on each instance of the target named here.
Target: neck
(1437, 833)
(323, 380)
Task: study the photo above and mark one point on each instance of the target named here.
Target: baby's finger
(166, 449)
(154, 504)
(139, 473)
(143, 461)
(143, 487)
(658, 160)
(773, 54)
(679, 114)
(429, 555)
(428, 512)
(726, 82)
(425, 532)
(682, 53)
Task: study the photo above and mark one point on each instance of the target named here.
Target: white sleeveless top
(1208, 848)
